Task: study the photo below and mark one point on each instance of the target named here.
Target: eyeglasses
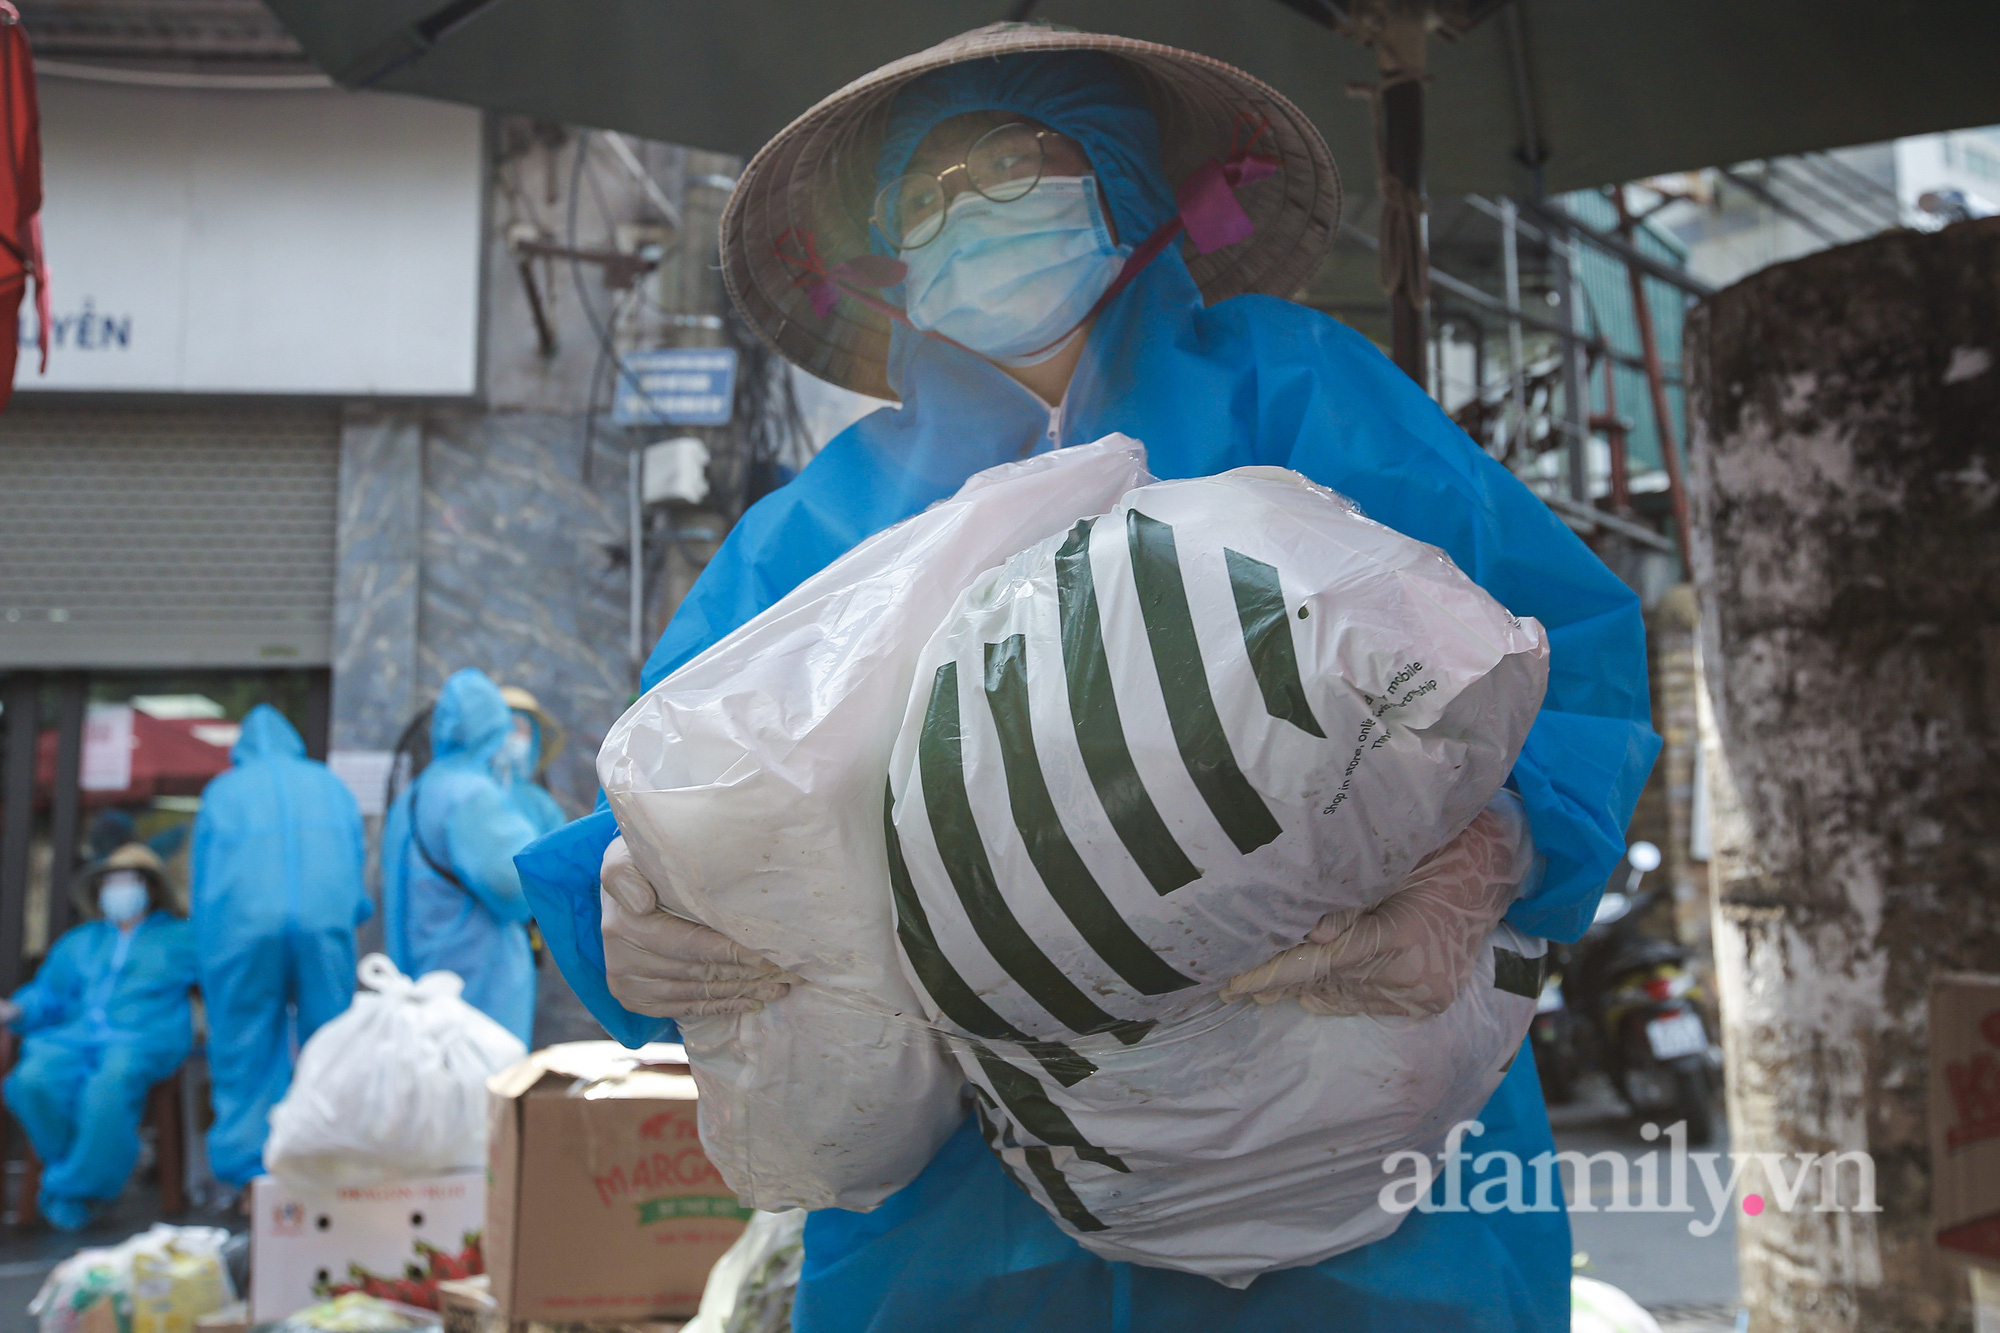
(1002, 164)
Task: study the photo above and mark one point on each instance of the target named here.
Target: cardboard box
(467, 1306)
(302, 1241)
(601, 1207)
(1965, 1114)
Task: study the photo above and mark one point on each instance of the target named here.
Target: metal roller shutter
(153, 537)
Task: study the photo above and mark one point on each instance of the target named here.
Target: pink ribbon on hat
(1210, 212)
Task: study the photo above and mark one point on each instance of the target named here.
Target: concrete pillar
(1846, 448)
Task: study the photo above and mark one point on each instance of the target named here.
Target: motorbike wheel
(1692, 1101)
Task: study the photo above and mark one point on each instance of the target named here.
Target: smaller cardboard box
(601, 1207)
(303, 1241)
(1965, 1115)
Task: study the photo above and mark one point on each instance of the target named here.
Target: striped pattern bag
(1148, 754)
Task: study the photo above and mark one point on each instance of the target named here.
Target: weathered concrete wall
(1846, 449)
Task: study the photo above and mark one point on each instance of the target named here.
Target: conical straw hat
(817, 177)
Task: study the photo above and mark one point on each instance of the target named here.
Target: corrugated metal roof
(1608, 312)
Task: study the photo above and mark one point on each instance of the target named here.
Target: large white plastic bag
(396, 1086)
(1151, 753)
(750, 786)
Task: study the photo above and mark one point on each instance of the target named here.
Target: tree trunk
(1846, 447)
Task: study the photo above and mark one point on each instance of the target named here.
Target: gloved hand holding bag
(1413, 952)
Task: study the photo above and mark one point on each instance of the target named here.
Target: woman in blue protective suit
(277, 890)
(106, 1017)
(451, 898)
(887, 241)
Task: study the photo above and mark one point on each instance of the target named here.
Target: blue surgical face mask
(1007, 280)
(122, 897)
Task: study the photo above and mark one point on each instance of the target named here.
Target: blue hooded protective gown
(277, 891)
(1253, 380)
(451, 897)
(106, 1017)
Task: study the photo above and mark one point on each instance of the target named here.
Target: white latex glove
(666, 966)
(1413, 952)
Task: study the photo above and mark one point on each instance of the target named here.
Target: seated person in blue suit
(106, 1017)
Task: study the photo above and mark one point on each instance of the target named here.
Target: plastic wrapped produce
(159, 1281)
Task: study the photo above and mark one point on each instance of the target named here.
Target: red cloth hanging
(20, 198)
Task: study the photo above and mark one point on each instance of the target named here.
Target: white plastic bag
(751, 1287)
(396, 1086)
(1599, 1307)
(1149, 754)
(751, 786)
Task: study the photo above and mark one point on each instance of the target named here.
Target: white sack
(1276, 710)
(751, 787)
(396, 1086)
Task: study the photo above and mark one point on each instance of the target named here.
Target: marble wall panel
(375, 581)
(524, 572)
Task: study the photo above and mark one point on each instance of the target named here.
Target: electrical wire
(606, 341)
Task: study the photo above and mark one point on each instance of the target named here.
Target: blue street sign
(676, 386)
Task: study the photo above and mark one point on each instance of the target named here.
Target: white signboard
(107, 748)
(258, 242)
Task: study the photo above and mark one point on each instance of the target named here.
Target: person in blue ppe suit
(1035, 328)
(277, 890)
(106, 1017)
(527, 750)
(451, 897)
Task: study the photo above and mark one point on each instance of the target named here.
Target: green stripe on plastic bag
(1070, 1208)
(1026, 1102)
(1156, 571)
(1267, 634)
(1516, 973)
(1100, 735)
(952, 993)
(940, 760)
(1063, 872)
(1042, 1162)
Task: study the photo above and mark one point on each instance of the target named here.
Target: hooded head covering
(471, 718)
(1084, 94)
(266, 735)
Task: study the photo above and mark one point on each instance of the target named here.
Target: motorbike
(1554, 1037)
(1647, 1015)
